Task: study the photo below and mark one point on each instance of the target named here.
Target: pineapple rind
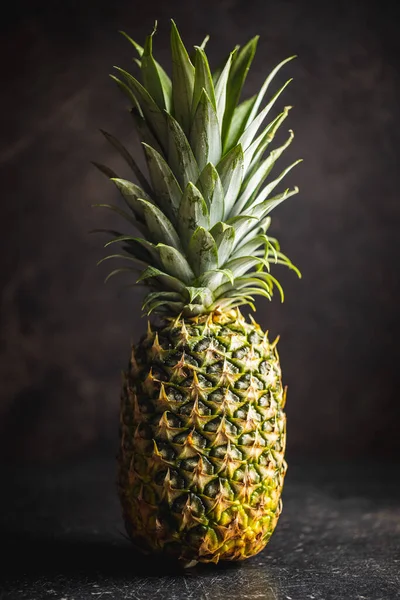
(203, 431)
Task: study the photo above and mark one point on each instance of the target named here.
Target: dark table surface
(338, 538)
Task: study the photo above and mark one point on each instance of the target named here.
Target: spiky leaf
(128, 158)
(224, 236)
(266, 191)
(205, 137)
(150, 110)
(202, 251)
(131, 192)
(180, 155)
(175, 263)
(254, 182)
(264, 88)
(238, 72)
(166, 187)
(167, 281)
(193, 212)
(209, 183)
(251, 130)
(182, 80)
(155, 80)
(143, 130)
(220, 89)
(202, 80)
(160, 228)
(231, 170)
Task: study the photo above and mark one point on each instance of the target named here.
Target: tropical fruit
(201, 459)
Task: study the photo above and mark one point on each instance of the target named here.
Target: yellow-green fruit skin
(202, 439)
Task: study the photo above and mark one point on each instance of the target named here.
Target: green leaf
(109, 231)
(144, 132)
(128, 158)
(139, 49)
(160, 228)
(183, 74)
(259, 204)
(203, 293)
(264, 88)
(242, 224)
(124, 256)
(165, 307)
(150, 110)
(193, 213)
(175, 263)
(262, 209)
(265, 225)
(236, 79)
(202, 253)
(231, 303)
(130, 193)
(205, 137)
(257, 148)
(202, 80)
(204, 42)
(156, 81)
(210, 186)
(224, 236)
(202, 46)
(252, 185)
(250, 284)
(230, 170)
(120, 212)
(213, 279)
(260, 226)
(220, 89)
(282, 259)
(165, 80)
(239, 266)
(167, 281)
(152, 296)
(238, 124)
(180, 155)
(120, 270)
(250, 247)
(251, 130)
(250, 279)
(166, 187)
(126, 90)
(269, 278)
(105, 170)
(135, 246)
(258, 291)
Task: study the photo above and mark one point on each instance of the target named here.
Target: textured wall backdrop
(65, 336)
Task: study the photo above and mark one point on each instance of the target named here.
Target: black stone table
(338, 538)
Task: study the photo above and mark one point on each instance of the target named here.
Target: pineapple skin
(202, 439)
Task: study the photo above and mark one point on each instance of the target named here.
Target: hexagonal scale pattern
(202, 439)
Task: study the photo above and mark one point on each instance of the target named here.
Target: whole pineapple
(201, 460)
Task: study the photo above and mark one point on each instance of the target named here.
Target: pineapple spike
(275, 342)
(184, 333)
(156, 348)
(133, 362)
(284, 396)
(177, 320)
(149, 330)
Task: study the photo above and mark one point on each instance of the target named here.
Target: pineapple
(203, 428)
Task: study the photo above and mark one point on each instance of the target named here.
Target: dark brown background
(65, 336)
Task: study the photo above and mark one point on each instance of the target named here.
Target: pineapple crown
(202, 217)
